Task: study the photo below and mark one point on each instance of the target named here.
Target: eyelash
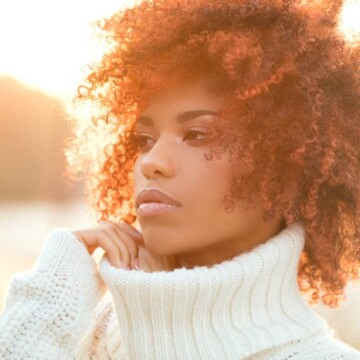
(137, 138)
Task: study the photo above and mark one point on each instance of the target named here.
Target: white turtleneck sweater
(248, 307)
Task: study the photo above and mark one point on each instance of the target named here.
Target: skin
(201, 231)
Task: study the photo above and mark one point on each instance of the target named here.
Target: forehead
(186, 96)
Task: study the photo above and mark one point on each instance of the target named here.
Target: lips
(155, 196)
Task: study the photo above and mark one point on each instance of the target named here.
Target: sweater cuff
(66, 257)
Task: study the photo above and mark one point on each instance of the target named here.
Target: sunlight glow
(45, 44)
(350, 19)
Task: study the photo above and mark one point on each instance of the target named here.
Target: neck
(233, 309)
(228, 249)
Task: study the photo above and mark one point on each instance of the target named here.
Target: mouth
(152, 209)
(155, 202)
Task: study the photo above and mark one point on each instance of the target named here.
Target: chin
(160, 244)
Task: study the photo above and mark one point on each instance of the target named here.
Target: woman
(223, 166)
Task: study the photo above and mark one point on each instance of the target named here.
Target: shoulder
(324, 346)
(333, 348)
(319, 346)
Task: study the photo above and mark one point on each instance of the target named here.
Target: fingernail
(137, 266)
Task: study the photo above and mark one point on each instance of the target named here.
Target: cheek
(137, 178)
(209, 185)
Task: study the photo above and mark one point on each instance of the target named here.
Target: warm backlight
(45, 44)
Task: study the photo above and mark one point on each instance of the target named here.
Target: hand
(120, 241)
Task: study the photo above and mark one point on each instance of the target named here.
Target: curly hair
(291, 123)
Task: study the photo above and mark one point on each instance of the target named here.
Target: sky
(46, 44)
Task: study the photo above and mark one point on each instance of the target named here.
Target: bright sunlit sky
(46, 43)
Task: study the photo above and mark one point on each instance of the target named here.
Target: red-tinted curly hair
(291, 125)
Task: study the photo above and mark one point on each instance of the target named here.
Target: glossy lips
(152, 201)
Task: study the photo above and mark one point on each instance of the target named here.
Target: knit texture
(248, 307)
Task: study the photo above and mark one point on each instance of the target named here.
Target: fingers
(120, 241)
(122, 246)
(131, 247)
(131, 231)
(107, 243)
(122, 237)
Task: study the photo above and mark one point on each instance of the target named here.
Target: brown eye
(140, 141)
(205, 134)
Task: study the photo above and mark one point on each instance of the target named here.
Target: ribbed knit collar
(230, 310)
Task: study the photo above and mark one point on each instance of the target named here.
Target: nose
(156, 162)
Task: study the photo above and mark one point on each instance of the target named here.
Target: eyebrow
(180, 118)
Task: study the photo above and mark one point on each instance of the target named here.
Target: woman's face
(199, 231)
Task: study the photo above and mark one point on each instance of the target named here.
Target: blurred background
(45, 46)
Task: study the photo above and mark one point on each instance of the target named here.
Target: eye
(204, 132)
(140, 140)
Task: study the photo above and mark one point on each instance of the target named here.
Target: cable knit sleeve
(49, 310)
